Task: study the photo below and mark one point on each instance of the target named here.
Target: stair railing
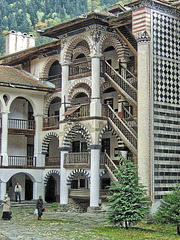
(127, 135)
(110, 167)
(125, 87)
(128, 118)
(132, 78)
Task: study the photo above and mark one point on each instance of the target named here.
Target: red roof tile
(12, 76)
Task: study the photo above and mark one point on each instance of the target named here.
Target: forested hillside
(29, 15)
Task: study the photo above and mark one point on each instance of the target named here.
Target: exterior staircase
(121, 85)
(110, 167)
(126, 128)
(127, 36)
(125, 131)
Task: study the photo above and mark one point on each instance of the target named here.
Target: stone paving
(54, 225)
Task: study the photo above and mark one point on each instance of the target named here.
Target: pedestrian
(17, 191)
(6, 207)
(39, 206)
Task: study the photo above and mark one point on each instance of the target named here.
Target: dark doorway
(50, 190)
(76, 146)
(106, 145)
(28, 189)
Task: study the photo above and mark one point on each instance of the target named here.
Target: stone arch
(73, 43)
(80, 90)
(86, 86)
(107, 127)
(81, 49)
(114, 41)
(33, 178)
(47, 65)
(26, 97)
(73, 131)
(46, 141)
(104, 86)
(49, 99)
(48, 174)
(76, 172)
(102, 173)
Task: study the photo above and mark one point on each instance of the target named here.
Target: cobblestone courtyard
(54, 225)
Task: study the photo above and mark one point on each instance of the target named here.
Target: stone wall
(74, 205)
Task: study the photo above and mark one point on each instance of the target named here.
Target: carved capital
(143, 37)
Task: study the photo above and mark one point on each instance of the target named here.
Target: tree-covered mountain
(29, 15)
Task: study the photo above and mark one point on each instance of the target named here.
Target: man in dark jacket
(39, 206)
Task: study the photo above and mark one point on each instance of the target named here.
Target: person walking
(6, 207)
(39, 206)
(17, 191)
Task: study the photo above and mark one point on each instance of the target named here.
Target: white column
(64, 89)
(144, 113)
(63, 182)
(4, 138)
(2, 190)
(95, 179)
(95, 107)
(124, 154)
(38, 141)
(38, 190)
(121, 100)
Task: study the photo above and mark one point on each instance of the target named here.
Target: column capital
(96, 55)
(65, 63)
(5, 112)
(95, 146)
(143, 37)
(38, 115)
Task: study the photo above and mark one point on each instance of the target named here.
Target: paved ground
(54, 225)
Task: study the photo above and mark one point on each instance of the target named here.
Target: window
(74, 184)
(82, 183)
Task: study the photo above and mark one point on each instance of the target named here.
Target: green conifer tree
(127, 201)
(169, 209)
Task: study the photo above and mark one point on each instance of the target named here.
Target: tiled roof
(10, 76)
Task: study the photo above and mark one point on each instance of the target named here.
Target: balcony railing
(52, 162)
(82, 111)
(77, 159)
(56, 80)
(21, 124)
(20, 161)
(51, 122)
(80, 68)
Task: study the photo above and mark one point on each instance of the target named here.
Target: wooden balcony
(52, 162)
(56, 80)
(83, 69)
(77, 160)
(84, 193)
(21, 126)
(51, 122)
(21, 161)
(80, 69)
(77, 112)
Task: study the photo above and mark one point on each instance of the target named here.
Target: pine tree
(169, 209)
(127, 202)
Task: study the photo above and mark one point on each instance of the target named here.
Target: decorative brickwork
(46, 141)
(77, 172)
(166, 67)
